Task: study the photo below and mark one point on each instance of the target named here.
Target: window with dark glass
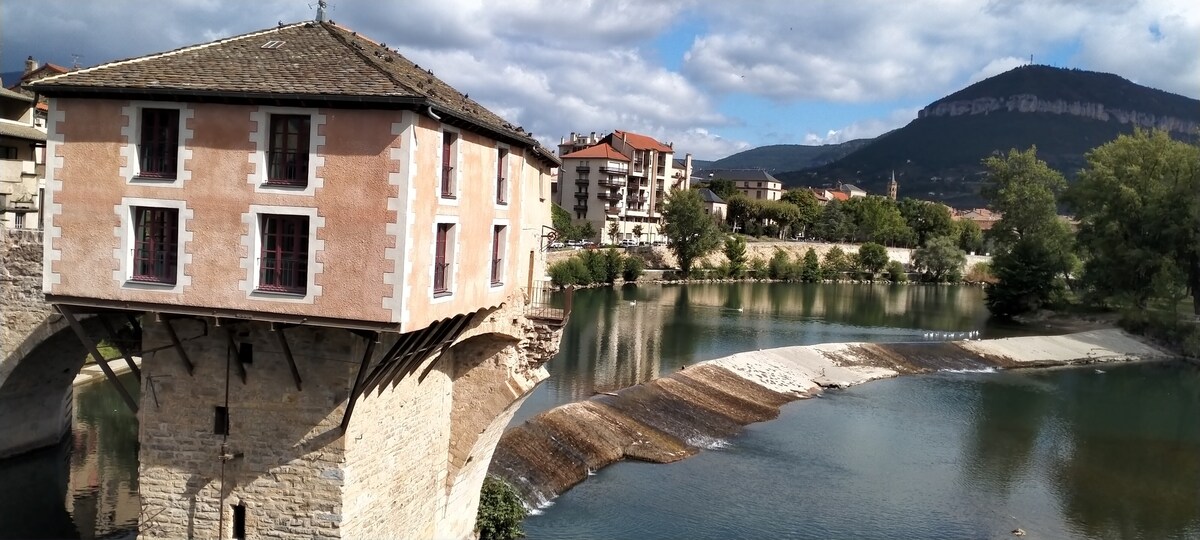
(287, 152)
(283, 263)
(501, 188)
(156, 243)
(159, 146)
(441, 259)
(448, 161)
(497, 253)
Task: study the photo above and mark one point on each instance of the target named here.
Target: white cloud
(864, 129)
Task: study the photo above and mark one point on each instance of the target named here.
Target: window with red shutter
(501, 187)
(497, 254)
(283, 263)
(287, 151)
(158, 149)
(441, 260)
(155, 245)
(448, 161)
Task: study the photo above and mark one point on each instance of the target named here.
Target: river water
(1061, 453)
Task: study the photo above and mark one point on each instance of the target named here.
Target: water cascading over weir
(676, 416)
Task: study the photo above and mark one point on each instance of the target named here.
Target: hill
(1063, 112)
(787, 157)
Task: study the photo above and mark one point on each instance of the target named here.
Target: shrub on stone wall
(895, 272)
(634, 266)
(500, 511)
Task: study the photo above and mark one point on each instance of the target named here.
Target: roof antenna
(321, 5)
(75, 60)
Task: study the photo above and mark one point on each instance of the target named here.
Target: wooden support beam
(443, 341)
(100, 361)
(385, 363)
(287, 353)
(416, 353)
(112, 334)
(135, 323)
(358, 380)
(233, 349)
(183, 357)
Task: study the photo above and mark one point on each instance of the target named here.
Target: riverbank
(676, 416)
(91, 371)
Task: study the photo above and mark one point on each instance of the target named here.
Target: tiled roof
(641, 142)
(852, 187)
(45, 70)
(707, 195)
(598, 151)
(840, 195)
(307, 61)
(738, 175)
(9, 94)
(21, 131)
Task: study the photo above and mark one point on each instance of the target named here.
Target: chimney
(30, 65)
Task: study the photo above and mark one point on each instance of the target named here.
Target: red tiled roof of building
(641, 142)
(598, 151)
(308, 61)
(840, 195)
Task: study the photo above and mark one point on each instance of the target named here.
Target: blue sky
(713, 77)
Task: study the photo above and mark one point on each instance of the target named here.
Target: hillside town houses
(23, 149)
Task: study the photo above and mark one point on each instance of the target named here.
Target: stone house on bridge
(328, 252)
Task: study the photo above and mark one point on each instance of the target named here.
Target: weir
(676, 416)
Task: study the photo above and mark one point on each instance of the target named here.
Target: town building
(621, 178)
(983, 217)
(22, 161)
(328, 253)
(851, 190)
(752, 183)
(714, 205)
(893, 187)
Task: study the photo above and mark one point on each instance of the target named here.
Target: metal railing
(544, 302)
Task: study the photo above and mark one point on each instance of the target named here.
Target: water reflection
(86, 486)
(621, 337)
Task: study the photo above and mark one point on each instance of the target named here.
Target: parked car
(557, 245)
(628, 243)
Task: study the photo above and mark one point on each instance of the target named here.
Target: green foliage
(872, 257)
(637, 232)
(560, 218)
(692, 233)
(634, 268)
(1033, 246)
(758, 267)
(569, 272)
(926, 219)
(810, 269)
(808, 207)
(500, 511)
(722, 188)
(835, 263)
(614, 231)
(939, 260)
(780, 266)
(970, 236)
(876, 219)
(895, 272)
(833, 225)
(1139, 220)
(614, 265)
(980, 272)
(587, 231)
(735, 252)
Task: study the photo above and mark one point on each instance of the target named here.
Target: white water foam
(965, 370)
(706, 442)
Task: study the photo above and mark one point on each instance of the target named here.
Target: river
(1060, 453)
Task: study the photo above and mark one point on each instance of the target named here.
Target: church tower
(893, 187)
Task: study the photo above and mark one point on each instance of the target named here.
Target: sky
(713, 77)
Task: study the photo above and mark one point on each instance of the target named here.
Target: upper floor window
(287, 150)
(498, 249)
(283, 262)
(442, 259)
(449, 159)
(156, 243)
(158, 149)
(8, 152)
(501, 181)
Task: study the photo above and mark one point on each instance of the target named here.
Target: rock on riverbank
(675, 416)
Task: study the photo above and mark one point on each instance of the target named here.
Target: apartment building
(752, 183)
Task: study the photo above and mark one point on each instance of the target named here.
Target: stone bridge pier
(249, 429)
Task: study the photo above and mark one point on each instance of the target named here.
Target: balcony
(635, 198)
(581, 206)
(611, 182)
(614, 170)
(613, 210)
(583, 168)
(583, 181)
(610, 195)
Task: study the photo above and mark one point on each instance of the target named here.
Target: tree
(833, 225)
(807, 204)
(500, 511)
(637, 232)
(835, 263)
(561, 221)
(722, 188)
(1033, 246)
(614, 230)
(939, 260)
(784, 215)
(876, 219)
(810, 269)
(872, 257)
(735, 251)
(587, 230)
(740, 210)
(692, 233)
(926, 219)
(969, 235)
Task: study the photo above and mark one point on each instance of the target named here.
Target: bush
(569, 272)
(872, 257)
(500, 511)
(780, 266)
(735, 252)
(895, 272)
(980, 272)
(810, 269)
(758, 268)
(634, 267)
(614, 265)
(835, 263)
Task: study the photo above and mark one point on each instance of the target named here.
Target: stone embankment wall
(661, 257)
(22, 307)
(1029, 103)
(674, 417)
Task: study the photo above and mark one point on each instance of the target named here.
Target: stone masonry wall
(289, 470)
(22, 306)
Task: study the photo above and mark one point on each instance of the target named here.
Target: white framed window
(502, 175)
(155, 148)
(282, 246)
(152, 240)
(444, 270)
(287, 144)
(450, 166)
(499, 253)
